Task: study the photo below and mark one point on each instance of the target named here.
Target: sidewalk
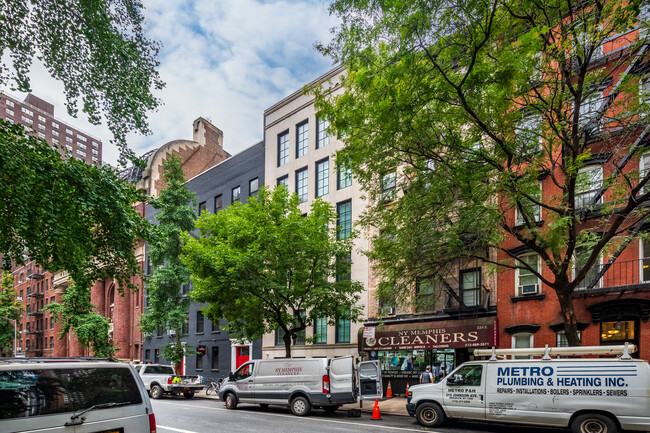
(387, 406)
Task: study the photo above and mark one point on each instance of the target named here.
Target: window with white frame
(81, 152)
(69, 131)
(55, 141)
(95, 144)
(589, 109)
(528, 133)
(27, 111)
(591, 279)
(82, 138)
(531, 209)
(9, 111)
(27, 120)
(644, 89)
(81, 145)
(644, 168)
(55, 125)
(561, 340)
(523, 340)
(388, 186)
(55, 133)
(10, 103)
(41, 118)
(68, 139)
(41, 127)
(41, 135)
(527, 282)
(588, 186)
(95, 152)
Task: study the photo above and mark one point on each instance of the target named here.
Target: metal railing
(620, 274)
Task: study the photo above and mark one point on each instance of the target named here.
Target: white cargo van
(302, 384)
(590, 395)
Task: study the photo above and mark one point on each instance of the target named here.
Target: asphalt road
(203, 416)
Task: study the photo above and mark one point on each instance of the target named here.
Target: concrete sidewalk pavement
(387, 406)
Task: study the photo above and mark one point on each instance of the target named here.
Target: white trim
(517, 272)
(531, 342)
(234, 344)
(599, 261)
(597, 185)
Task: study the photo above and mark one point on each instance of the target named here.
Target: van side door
(369, 379)
(244, 380)
(341, 376)
(464, 392)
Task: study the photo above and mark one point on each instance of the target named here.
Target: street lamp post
(12, 320)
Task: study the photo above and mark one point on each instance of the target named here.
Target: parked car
(81, 395)
(590, 395)
(160, 379)
(302, 384)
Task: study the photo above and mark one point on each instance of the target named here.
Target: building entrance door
(242, 355)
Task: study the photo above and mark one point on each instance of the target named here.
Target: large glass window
(425, 295)
(620, 331)
(200, 321)
(344, 267)
(320, 330)
(561, 340)
(522, 341)
(528, 134)
(218, 203)
(343, 177)
(645, 261)
(199, 362)
(322, 177)
(215, 358)
(591, 278)
(236, 194)
(470, 280)
(301, 184)
(388, 185)
(343, 331)
(344, 219)
(202, 206)
(284, 180)
(322, 133)
(588, 186)
(283, 148)
(302, 138)
(527, 282)
(469, 375)
(279, 337)
(532, 210)
(253, 186)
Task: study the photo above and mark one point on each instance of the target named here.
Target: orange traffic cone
(389, 391)
(375, 411)
(407, 387)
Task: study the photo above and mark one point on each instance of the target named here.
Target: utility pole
(12, 320)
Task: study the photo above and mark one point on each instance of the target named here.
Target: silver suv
(80, 395)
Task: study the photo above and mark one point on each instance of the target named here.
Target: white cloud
(226, 60)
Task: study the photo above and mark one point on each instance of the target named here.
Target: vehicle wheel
(593, 423)
(231, 401)
(208, 390)
(188, 394)
(330, 409)
(430, 415)
(264, 405)
(300, 406)
(156, 392)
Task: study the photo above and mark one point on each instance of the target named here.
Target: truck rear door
(341, 376)
(369, 376)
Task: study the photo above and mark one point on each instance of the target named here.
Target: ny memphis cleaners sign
(432, 335)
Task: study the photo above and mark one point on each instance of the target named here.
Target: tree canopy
(167, 307)
(475, 105)
(10, 308)
(264, 266)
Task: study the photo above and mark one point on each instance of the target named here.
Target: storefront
(404, 350)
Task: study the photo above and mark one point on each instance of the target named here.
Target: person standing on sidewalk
(426, 376)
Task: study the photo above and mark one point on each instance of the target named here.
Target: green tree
(474, 103)
(264, 266)
(167, 307)
(10, 308)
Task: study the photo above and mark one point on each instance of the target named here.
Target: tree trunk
(287, 344)
(564, 296)
(179, 351)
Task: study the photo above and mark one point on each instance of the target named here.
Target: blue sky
(225, 60)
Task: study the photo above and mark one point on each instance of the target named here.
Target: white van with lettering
(302, 384)
(590, 395)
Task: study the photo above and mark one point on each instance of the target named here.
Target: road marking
(174, 429)
(320, 420)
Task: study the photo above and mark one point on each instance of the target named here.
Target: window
(244, 372)
(322, 177)
(95, 152)
(82, 138)
(522, 341)
(202, 207)
(236, 194)
(302, 138)
(343, 331)
(424, 295)
(469, 375)
(147, 353)
(320, 330)
(617, 332)
(185, 288)
(9, 111)
(27, 111)
(301, 184)
(218, 203)
(344, 219)
(41, 118)
(55, 125)
(67, 146)
(68, 139)
(199, 362)
(253, 186)
(284, 180)
(591, 278)
(69, 131)
(322, 133)
(344, 267)
(185, 329)
(95, 144)
(470, 287)
(81, 145)
(10, 120)
(27, 120)
(588, 186)
(215, 358)
(283, 148)
(214, 326)
(156, 356)
(199, 322)
(55, 141)
(300, 336)
(645, 261)
(388, 184)
(41, 135)
(41, 127)
(561, 340)
(589, 109)
(279, 337)
(527, 282)
(55, 133)
(10, 103)
(532, 210)
(81, 152)
(528, 134)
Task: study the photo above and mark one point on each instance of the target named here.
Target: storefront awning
(451, 334)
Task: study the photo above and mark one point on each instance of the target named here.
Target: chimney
(206, 133)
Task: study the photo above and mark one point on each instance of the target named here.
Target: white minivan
(591, 395)
(302, 383)
(72, 395)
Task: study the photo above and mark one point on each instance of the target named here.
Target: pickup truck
(160, 379)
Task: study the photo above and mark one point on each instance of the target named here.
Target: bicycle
(213, 387)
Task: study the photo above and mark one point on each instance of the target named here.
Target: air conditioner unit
(19, 298)
(390, 310)
(171, 332)
(528, 289)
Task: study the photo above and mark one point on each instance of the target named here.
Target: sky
(224, 60)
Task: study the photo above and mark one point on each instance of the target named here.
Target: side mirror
(453, 382)
(231, 376)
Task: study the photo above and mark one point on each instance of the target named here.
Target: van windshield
(26, 393)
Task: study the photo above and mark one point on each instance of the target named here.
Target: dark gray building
(234, 179)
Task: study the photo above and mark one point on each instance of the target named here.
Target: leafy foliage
(10, 308)
(97, 49)
(264, 265)
(166, 306)
(474, 104)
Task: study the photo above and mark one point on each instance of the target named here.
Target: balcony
(35, 332)
(35, 314)
(35, 276)
(620, 276)
(35, 295)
